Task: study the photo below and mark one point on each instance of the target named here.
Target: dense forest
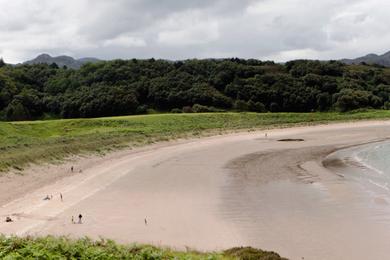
(123, 87)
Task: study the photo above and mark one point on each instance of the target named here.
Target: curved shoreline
(334, 160)
(191, 199)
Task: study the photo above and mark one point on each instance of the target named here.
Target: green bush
(274, 107)
(176, 110)
(204, 109)
(64, 248)
(249, 253)
(187, 109)
(256, 106)
(142, 109)
(241, 105)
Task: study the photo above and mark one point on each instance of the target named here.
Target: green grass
(64, 248)
(22, 143)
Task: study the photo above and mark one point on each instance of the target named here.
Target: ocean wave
(382, 186)
(364, 162)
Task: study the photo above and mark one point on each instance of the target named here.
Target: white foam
(382, 186)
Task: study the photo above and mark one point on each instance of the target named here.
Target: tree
(15, 111)
(323, 101)
(122, 87)
(351, 99)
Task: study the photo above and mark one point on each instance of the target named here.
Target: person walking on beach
(61, 197)
(80, 219)
(72, 220)
(146, 222)
(71, 168)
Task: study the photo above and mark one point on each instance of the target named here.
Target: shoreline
(37, 175)
(171, 183)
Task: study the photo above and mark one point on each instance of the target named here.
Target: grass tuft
(64, 248)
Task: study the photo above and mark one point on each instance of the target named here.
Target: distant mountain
(383, 60)
(61, 61)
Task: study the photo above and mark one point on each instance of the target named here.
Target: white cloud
(125, 41)
(294, 54)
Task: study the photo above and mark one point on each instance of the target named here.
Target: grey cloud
(176, 29)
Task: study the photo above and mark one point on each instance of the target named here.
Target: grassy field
(22, 143)
(64, 248)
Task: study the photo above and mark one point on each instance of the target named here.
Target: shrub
(176, 110)
(187, 109)
(250, 253)
(274, 107)
(241, 105)
(142, 109)
(256, 106)
(16, 111)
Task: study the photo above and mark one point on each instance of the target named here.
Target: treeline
(123, 87)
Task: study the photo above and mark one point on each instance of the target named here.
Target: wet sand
(219, 192)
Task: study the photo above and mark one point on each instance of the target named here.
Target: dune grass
(22, 143)
(65, 248)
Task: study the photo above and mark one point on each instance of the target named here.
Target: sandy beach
(213, 193)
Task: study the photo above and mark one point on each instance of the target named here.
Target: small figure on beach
(72, 220)
(80, 219)
(51, 196)
(71, 168)
(61, 197)
(8, 219)
(146, 222)
(266, 135)
(80, 171)
(47, 197)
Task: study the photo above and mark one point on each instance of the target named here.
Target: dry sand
(211, 194)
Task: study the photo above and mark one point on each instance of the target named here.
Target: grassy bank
(64, 248)
(22, 143)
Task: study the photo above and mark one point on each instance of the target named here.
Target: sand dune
(213, 193)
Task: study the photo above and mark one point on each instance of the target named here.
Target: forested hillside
(123, 87)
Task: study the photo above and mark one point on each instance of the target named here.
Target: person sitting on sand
(8, 219)
(80, 219)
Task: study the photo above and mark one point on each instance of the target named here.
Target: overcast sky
(178, 29)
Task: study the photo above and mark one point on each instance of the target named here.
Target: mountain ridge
(372, 58)
(61, 61)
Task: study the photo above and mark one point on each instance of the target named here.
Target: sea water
(369, 166)
(375, 164)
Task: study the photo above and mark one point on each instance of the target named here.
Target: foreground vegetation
(27, 142)
(124, 87)
(64, 248)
